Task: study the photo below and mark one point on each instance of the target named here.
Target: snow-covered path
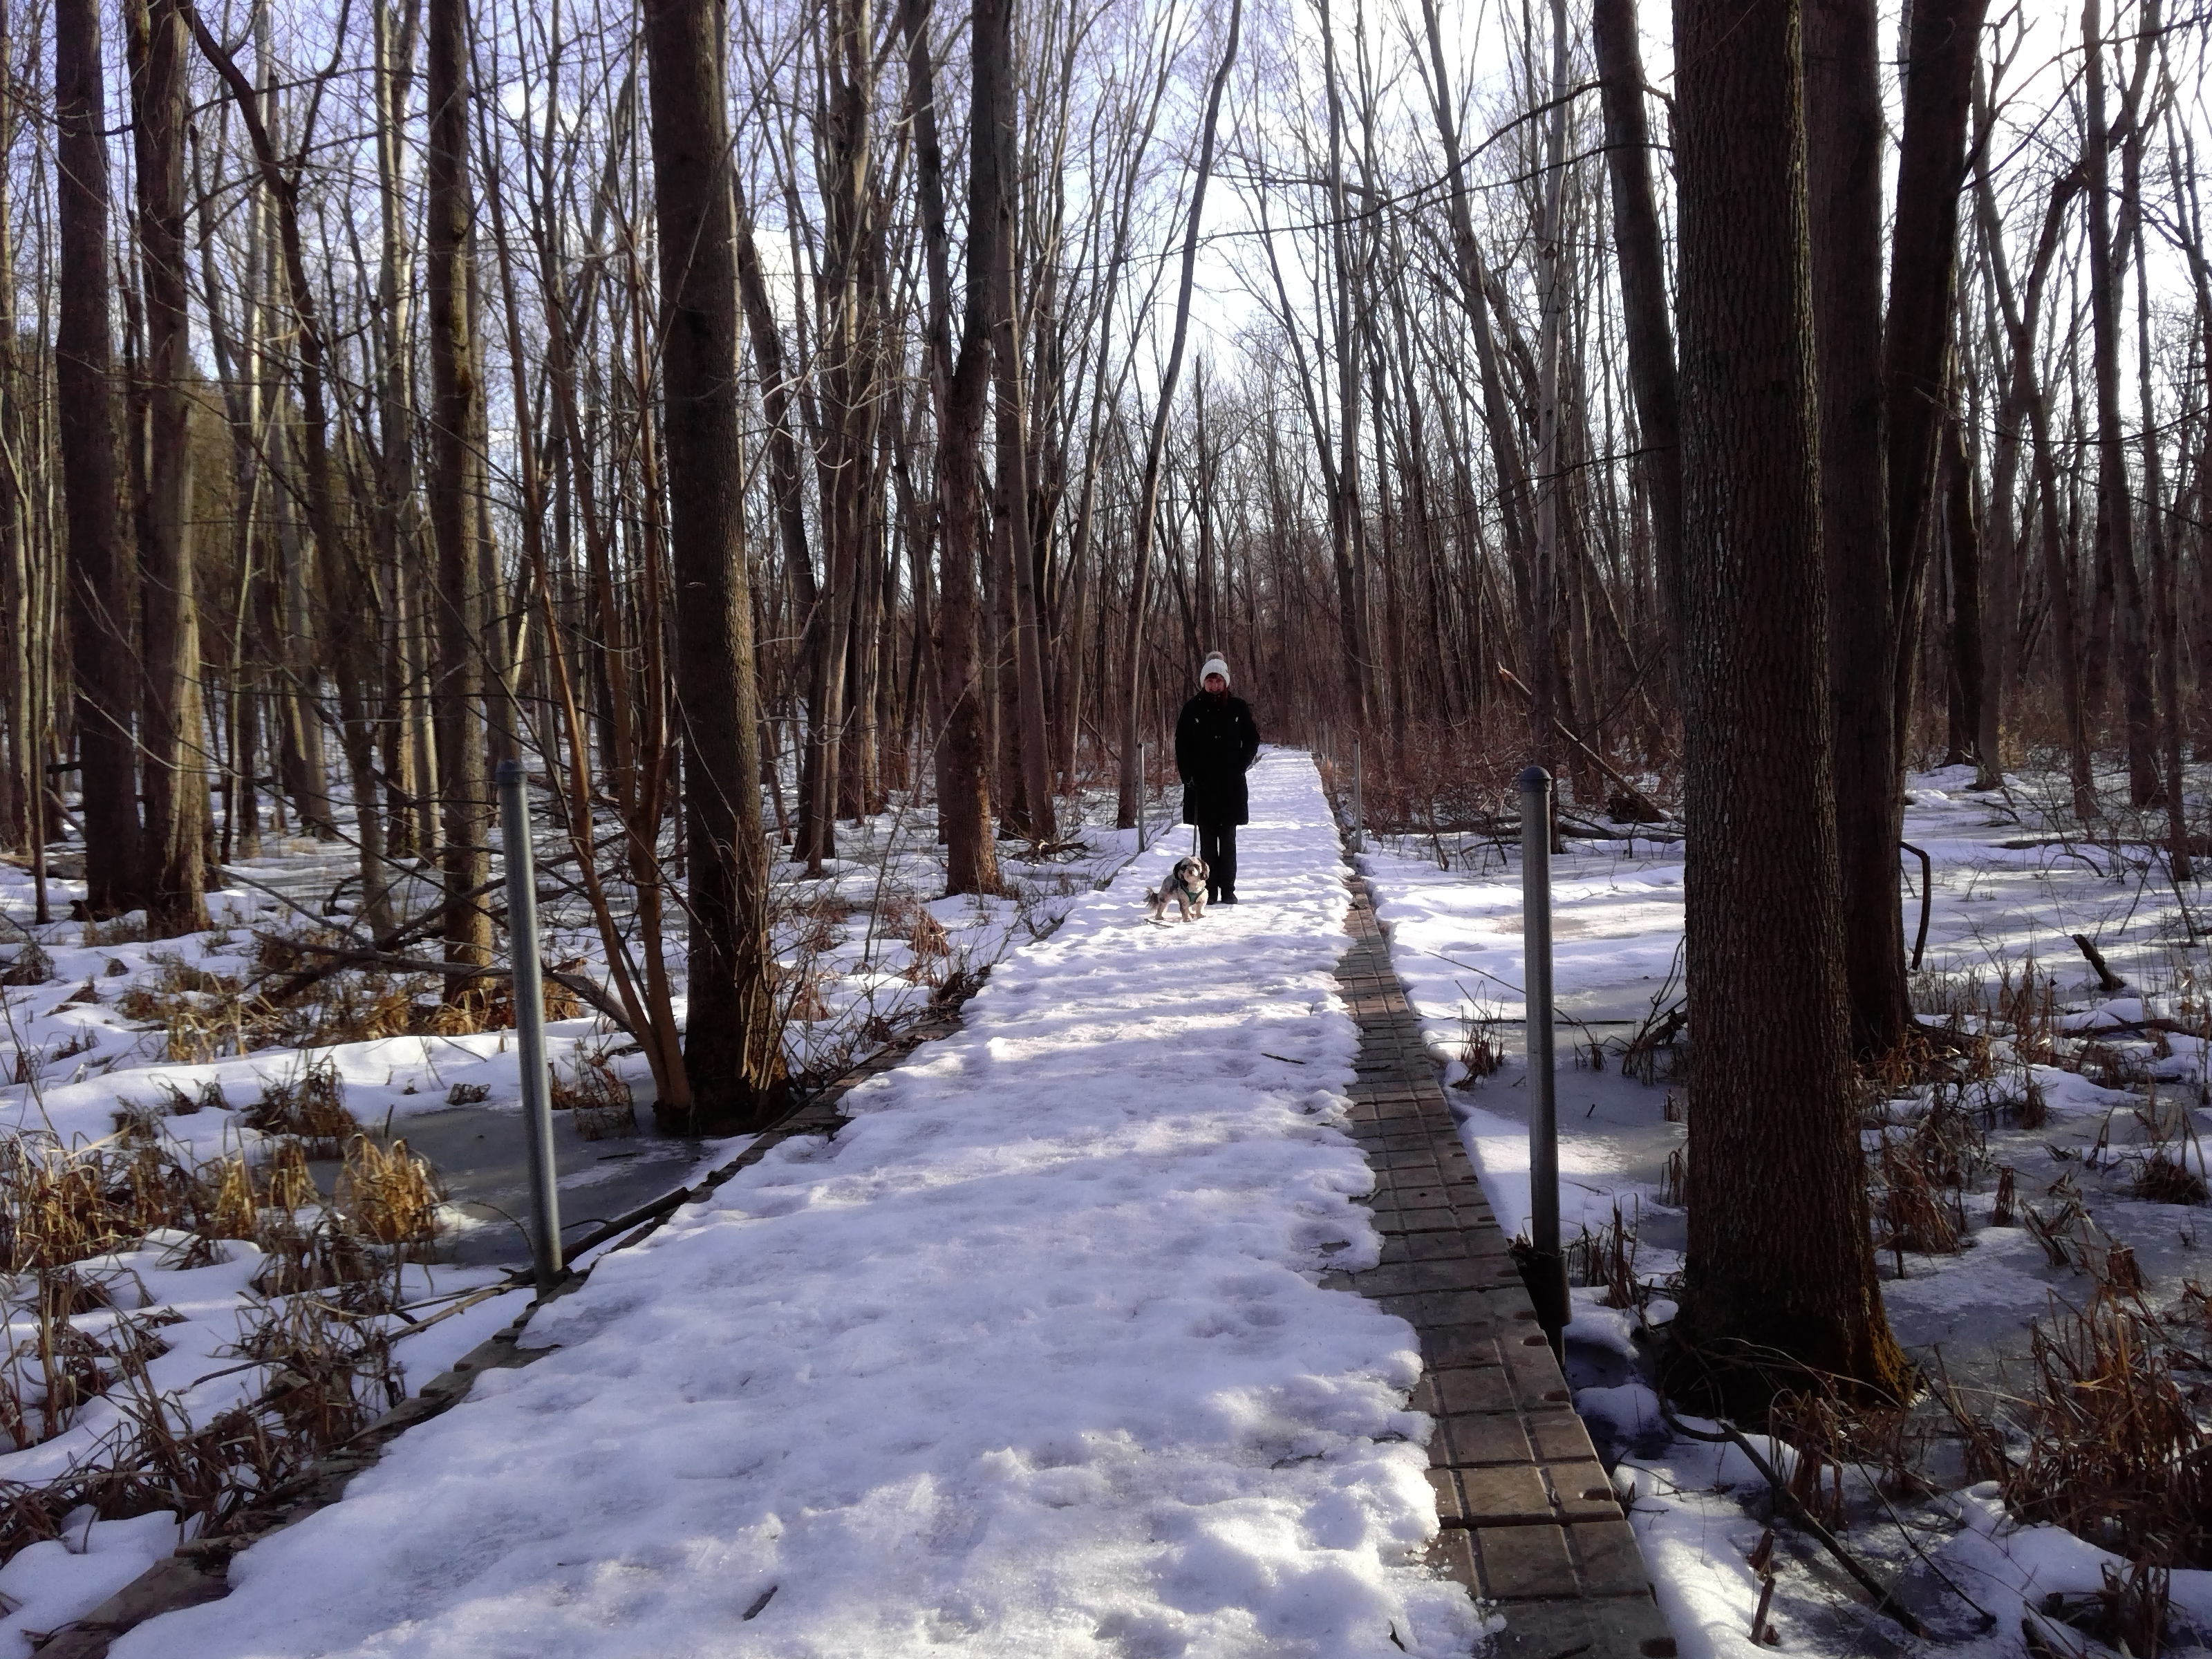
(1031, 1360)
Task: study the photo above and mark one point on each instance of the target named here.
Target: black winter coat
(1215, 741)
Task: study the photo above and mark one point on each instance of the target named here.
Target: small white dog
(1185, 888)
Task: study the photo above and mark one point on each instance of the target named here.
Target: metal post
(530, 1024)
(1358, 802)
(1545, 1270)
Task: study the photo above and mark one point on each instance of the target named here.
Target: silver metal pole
(530, 1024)
(1546, 1270)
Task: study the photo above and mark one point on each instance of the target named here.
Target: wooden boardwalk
(1530, 1521)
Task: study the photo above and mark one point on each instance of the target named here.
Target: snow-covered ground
(1032, 1358)
(1998, 911)
(120, 1028)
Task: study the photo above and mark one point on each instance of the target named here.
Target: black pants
(1217, 845)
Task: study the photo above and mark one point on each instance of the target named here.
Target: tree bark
(1963, 533)
(2115, 495)
(174, 742)
(1843, 159)
(99, 592)
(1638, 249)
(733, 1039)
(963, 777)
(1780, 1274)
(457, 399)
(1946, 36)
(1011, 415)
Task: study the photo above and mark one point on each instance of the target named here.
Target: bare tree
(1780, 1267)
(457, 400)
(1130, 801)
(733, 1046)
(100, 596)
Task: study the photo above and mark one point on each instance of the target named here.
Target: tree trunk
(2115, 492)
(1780, 1271)
(964, 755)
(348, 598)
(1844, 146)
(99, 594)
(1639, 247)
(1544, 578)
(1946, 35)
(19, 789)
(2166, 620)
(173, 740)
(1131, 800)
(1009, 405)
(457, 396)
(2025, 395)
(734, 1043)
(1963, 531)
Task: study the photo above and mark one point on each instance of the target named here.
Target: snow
(1031, 1359)
(2009, 889)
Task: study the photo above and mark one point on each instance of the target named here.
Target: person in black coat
(1216, 742)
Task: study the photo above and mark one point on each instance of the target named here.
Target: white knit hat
(1216, 664)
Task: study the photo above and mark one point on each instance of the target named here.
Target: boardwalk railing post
(1545, 1269)
(530, 1024)
(1358, 802)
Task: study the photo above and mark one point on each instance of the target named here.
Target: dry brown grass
(601, 1101)
(1607, 1258)
(58, 1208)
(1481, 1045)
(2115, 1452)
(389, 1193)
(329, 1282)
(309, 1105)
(1833, 1435)
(127, 929)
(30, 965)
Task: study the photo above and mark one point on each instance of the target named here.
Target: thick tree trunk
(457, 397)
(99, 592)
(1780, 1271)
(733, 1042)
(173, 740)
(1946, 35)
(19, 791)
(1844, 156)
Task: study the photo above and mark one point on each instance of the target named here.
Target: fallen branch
(2112, 983)
(1644, 803)
(1884, 1601)
(337, 959)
